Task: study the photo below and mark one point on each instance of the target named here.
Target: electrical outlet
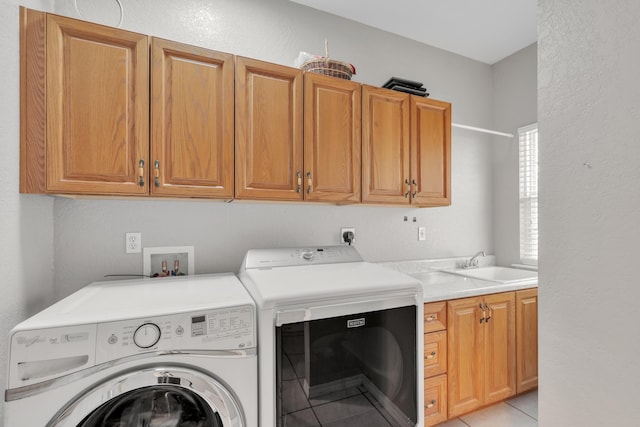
(422, 233)
(346, 230)
(133, 243)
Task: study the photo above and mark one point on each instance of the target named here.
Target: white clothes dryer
(161, 352)
(341, 339)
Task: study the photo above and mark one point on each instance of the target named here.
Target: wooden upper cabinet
(527, 339)
(332, 139)
(222, 126)
(97, 108)
(192, 94)
(268, 131)
(430, 152)
(406, 149)
(385, 146)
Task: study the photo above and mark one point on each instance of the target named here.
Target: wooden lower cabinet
(478, 351)
(500, 347)
(465, 355)
(527, 339)
(435, 400)
(435, 363)
(435, 316)
(481, 366)
(435, 353)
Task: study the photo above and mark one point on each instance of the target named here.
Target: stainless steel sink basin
(497, 274)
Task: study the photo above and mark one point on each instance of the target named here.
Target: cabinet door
(332, 142)
(97, 108)
(527, 339)
(500, 347)
(430, 152)
(385, 146)
(268, 131)
(192, 114)
(465, 367)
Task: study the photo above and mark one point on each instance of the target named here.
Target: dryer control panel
(221, 329)
(288, 257)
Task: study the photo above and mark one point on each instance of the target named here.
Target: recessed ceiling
(486, 31)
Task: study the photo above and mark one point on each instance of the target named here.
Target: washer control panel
(147, 335)
(230, 328)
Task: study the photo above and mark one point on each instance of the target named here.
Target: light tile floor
(520, 411)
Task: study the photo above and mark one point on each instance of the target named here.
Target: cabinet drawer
(435, 400)
(435, 353)
(435, 316)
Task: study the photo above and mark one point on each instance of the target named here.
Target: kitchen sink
(497, 274)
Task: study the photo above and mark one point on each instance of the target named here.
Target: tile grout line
(520, 410)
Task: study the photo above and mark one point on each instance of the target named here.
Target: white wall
(515, 94)
(26, 225)
(89, 234)
(589, 122)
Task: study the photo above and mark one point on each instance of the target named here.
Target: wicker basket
(328, 67)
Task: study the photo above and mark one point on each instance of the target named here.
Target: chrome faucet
(473, 261)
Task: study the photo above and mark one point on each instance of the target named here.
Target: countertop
(439, 286)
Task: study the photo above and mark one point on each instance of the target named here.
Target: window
(528, 141)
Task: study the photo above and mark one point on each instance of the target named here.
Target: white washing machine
(155, 352)
(341, 339)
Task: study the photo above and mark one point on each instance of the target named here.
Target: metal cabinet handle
(483, 313)
(490, 310)
(309, 182)
(431, 404)
(431, 318)
(431, 356)
(299, 175)
(156, 174)
(415, 188)
(406, 182)
(141, 173)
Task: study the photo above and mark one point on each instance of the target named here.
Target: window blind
(528, 143)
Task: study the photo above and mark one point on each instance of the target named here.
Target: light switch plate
(422, 233)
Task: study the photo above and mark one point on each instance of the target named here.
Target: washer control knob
(147, 335)
(307, 256)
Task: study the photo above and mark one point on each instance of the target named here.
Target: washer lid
(110, 301)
